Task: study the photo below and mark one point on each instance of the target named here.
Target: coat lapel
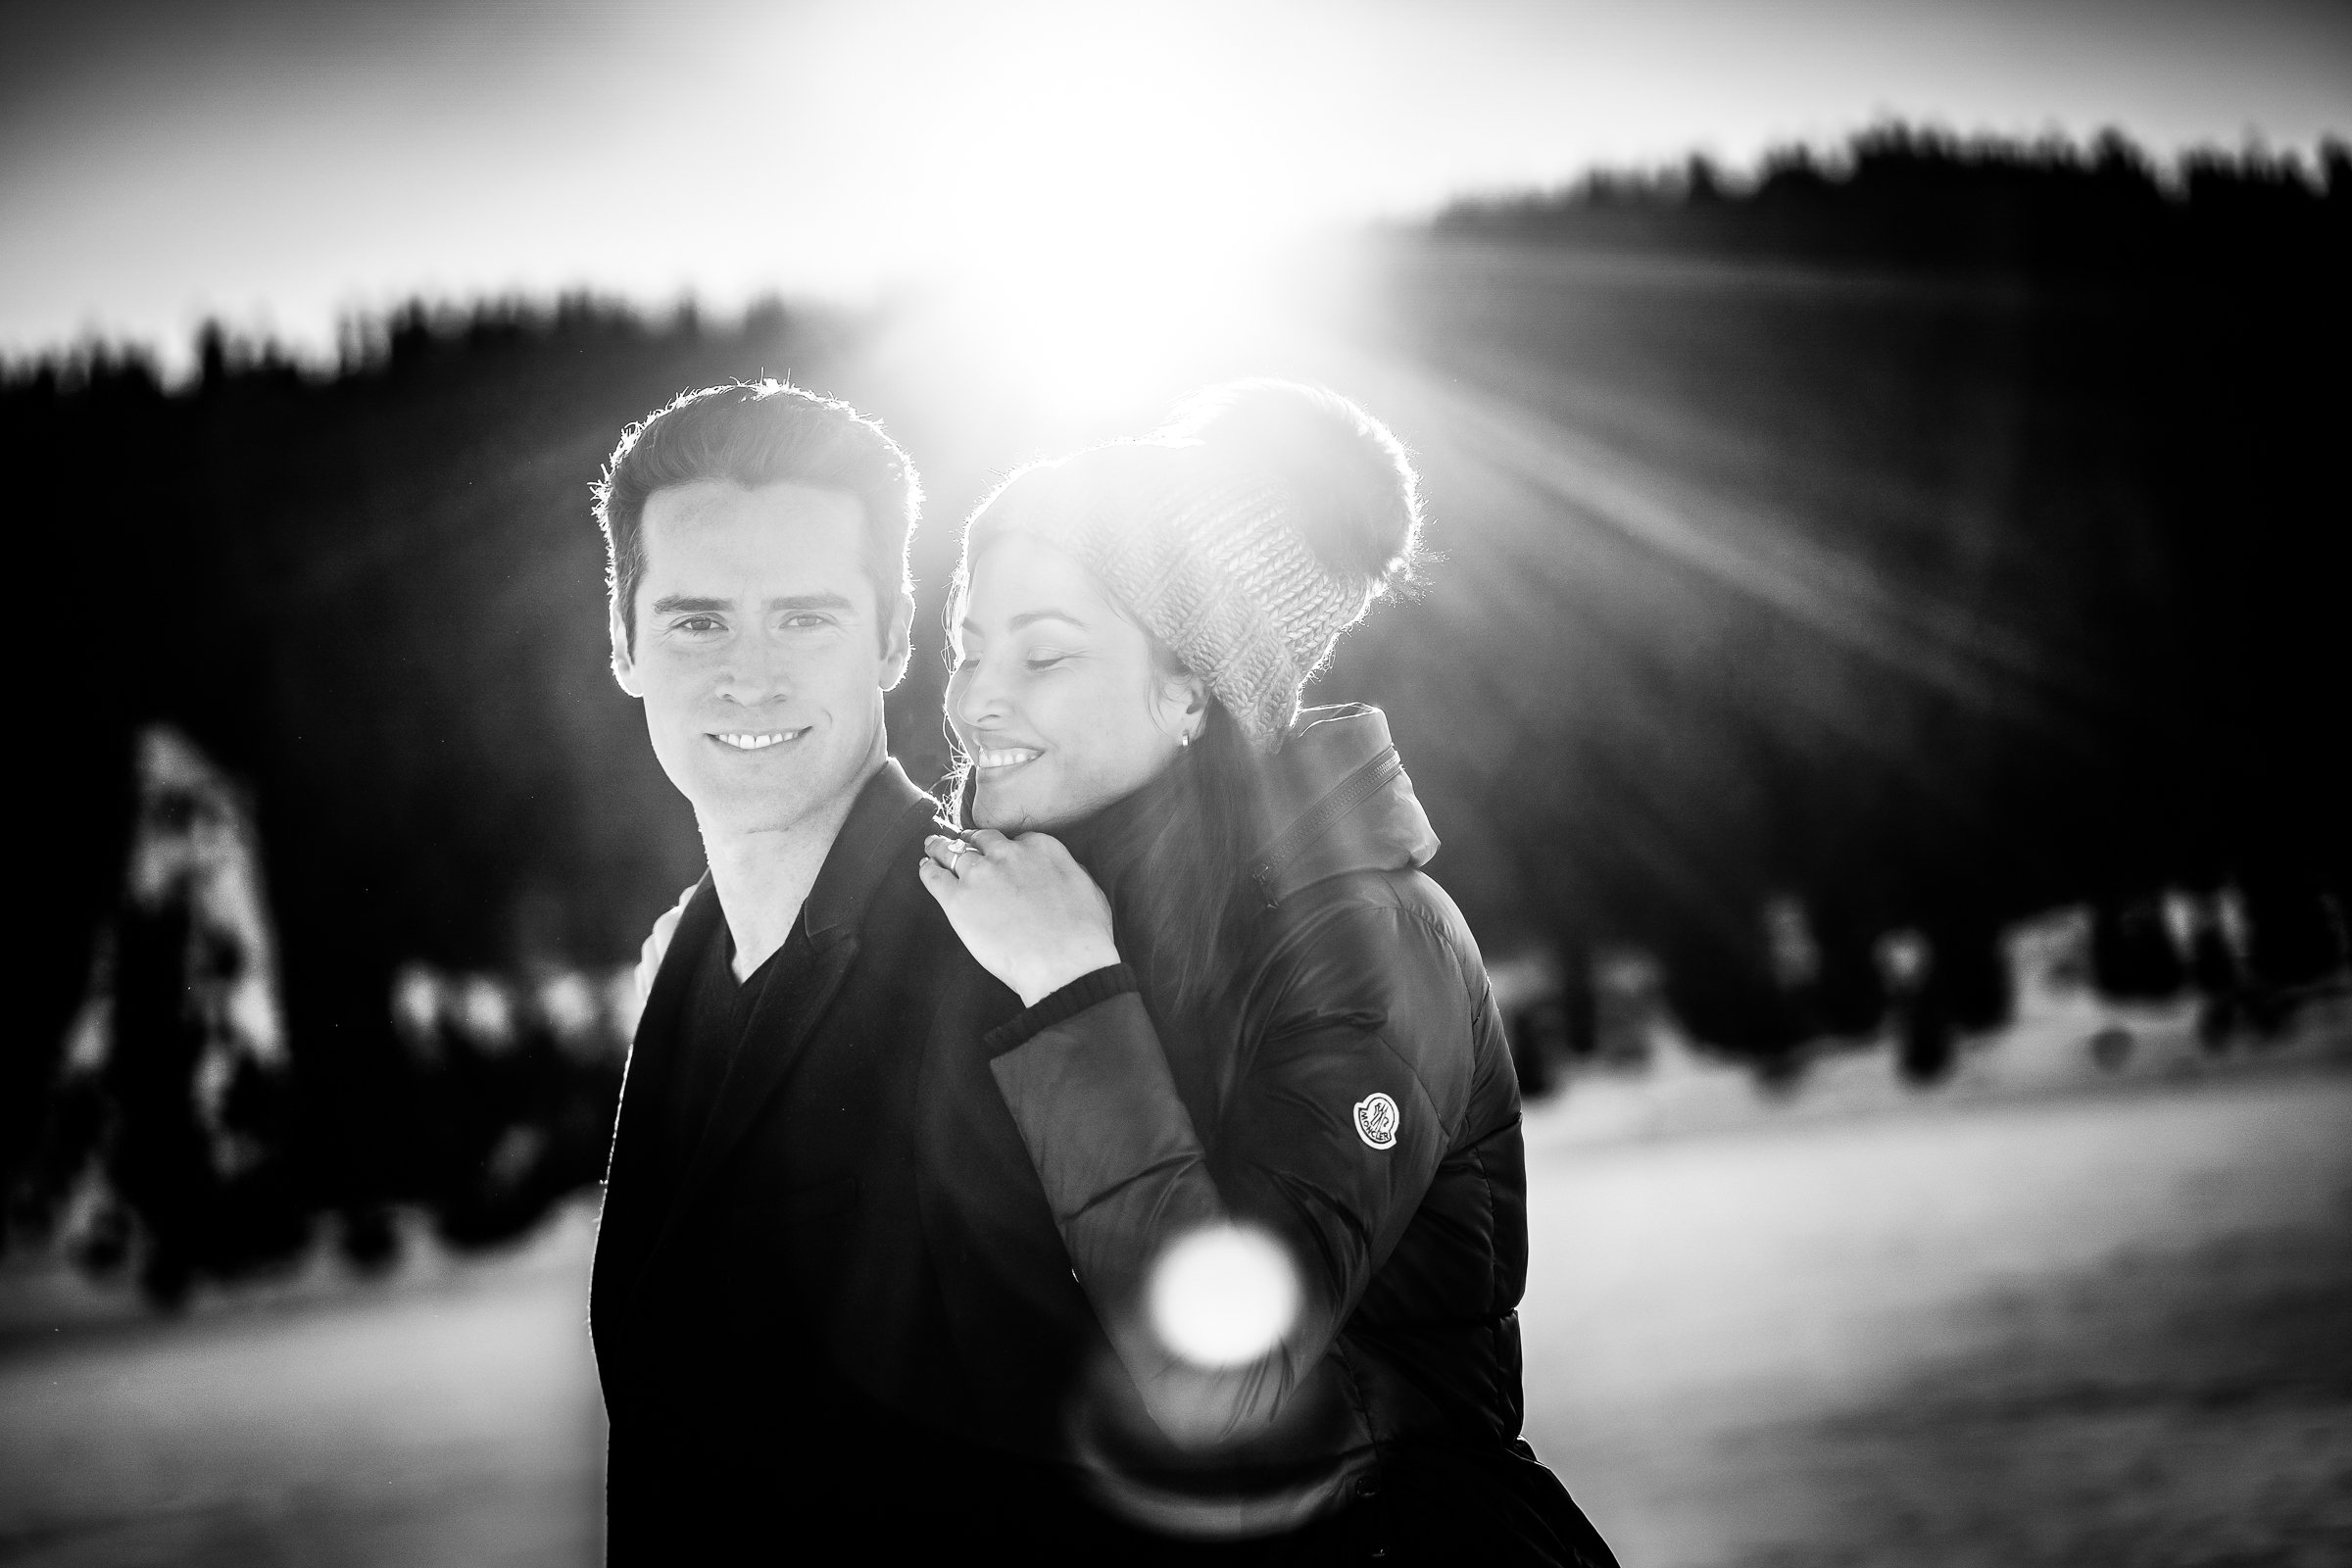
(778, 1033)
(889, 811)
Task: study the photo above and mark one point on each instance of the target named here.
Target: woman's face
(1056, 698)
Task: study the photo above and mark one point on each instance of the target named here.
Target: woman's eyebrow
(1032, 617)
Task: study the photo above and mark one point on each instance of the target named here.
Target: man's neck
(763, 877)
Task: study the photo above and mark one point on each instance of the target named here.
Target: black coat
(1361, 1108)
(852, 1324)
(769, 1329)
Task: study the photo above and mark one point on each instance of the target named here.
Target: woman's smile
(1056, 699)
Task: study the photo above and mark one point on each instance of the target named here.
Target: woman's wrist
(1038, 984)
(1082, 995)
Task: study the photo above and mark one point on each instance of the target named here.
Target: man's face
(762, 655)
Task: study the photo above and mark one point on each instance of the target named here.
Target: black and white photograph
(1268, 782)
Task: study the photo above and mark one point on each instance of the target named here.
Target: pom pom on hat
(1246, 535)
(1348, 487)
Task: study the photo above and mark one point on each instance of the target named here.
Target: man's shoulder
(892, 821)
(890, 841)
(899, 907)
(910, 959)
(884, 828)
(900, 925)
(891, 809)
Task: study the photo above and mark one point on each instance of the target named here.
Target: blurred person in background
(1230, 1202)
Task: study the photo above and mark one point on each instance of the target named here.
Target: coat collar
(862, 855)
(845, 885)
(872, 839)
(1338, 800)
(1334, 798)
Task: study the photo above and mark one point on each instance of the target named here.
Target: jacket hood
(1338, 800)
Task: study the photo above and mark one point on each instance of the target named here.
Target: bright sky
(281, 163)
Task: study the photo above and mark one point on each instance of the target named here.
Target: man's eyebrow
(799, 601)
(690, 603)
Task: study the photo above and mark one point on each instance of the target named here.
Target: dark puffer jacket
(1364, 1113)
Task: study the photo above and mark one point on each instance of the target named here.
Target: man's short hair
(756, 433)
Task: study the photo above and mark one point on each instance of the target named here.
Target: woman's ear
(1183, 705)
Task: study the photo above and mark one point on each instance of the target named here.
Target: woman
(1256, 1070)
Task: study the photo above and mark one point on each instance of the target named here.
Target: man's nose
(756, 675)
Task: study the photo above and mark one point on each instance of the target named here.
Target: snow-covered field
(450, 1416)
(2095, 1325)
(2099, 1329)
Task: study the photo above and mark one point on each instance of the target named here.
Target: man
(765, 1317)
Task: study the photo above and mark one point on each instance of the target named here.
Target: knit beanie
(1246, 535)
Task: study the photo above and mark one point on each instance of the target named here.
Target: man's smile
(758, 740)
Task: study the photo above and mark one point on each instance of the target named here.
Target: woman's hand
(1024, 908)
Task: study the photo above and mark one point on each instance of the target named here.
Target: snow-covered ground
(2082, 1327)
(2098, 1325)
(447, 1416)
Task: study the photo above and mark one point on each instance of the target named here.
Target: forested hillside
(1908, 541)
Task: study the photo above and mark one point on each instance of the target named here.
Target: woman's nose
(975, 699)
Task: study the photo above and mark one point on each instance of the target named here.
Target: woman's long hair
(1182, 905)
(1181, 895)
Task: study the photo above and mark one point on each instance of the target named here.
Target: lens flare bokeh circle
(1224, 1296)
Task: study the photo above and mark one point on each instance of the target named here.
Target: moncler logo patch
(1376, 1121)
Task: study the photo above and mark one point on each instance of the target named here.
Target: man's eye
(698, 625)
(808, 621)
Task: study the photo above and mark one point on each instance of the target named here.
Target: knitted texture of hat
(1200, 556)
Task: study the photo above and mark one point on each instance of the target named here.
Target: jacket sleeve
(1345, 1099)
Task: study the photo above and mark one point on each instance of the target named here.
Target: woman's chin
(1009, 810)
